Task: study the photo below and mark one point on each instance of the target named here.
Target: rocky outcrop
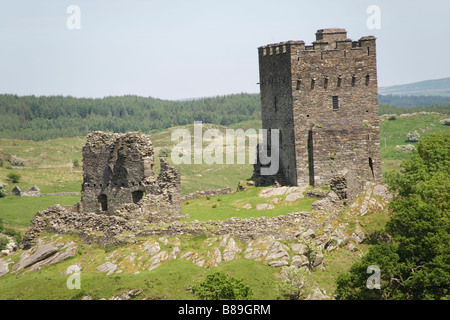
(206, 193)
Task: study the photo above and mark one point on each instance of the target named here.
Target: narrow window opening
(368, 51)
(311, 157)
(339, 82)
(371, 167)
(299, 82)
(103, 200)
(335, 102)
(353, 81)
(313, 83)
(367, 80)
(325, 83)
(275, 103)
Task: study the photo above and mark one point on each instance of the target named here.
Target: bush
(3, 242)
(412, 136)
(294, 283)
(392, 117)
(14, 177)
(220, 286)
(2, 192)
(76, 163)
(16, 161)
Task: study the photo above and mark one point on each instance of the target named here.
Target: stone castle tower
(323, 99)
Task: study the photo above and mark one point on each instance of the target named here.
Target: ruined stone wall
(332, 103)
(118, 169)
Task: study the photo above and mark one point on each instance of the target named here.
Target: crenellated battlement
(333, 40)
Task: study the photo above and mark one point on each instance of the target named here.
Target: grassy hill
(48, 164)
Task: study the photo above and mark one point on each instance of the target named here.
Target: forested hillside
(50, 117)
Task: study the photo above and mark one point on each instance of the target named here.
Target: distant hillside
(437, 87)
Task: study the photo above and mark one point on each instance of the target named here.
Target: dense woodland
(49, 117)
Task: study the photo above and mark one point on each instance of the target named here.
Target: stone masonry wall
(329, 113)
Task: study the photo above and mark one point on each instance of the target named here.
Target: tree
(220, 286)
(14, 177)
(293, 284)
(416, 265)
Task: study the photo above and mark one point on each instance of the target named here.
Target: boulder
(278, 263)
(264, 206)
(107, 267)
(4, 269)
(42, 252)
(231, 250)
(277, 251)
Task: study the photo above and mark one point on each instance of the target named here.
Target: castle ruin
(118, 169)
(323, 99)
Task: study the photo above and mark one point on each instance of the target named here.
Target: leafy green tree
(220, 286)
(416, 265)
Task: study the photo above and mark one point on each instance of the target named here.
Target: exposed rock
(215, 258)
(152, 247)
(107, 267)
(318, 294)
(278, 263)
(264, 206)
(308, 234)
(299, 248)
(247, 206)
(70, 250)
(231, 250)
(33, 256)
(299, 261)
(318, 260)
(358, 236)
(128, 295)
(156, 260)
(277, 251)
(294, 196)
(4, 269)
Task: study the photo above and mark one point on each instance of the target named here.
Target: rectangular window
(313, 82)
(335, 103)
(325, 83)
(299, 82)
(353, 81)
(339, 81)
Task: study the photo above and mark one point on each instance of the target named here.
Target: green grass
(227, 206)
(17, 212)
(170, 281)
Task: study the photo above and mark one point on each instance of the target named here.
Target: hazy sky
(182, 49)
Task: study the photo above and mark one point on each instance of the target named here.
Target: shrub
(16, 161)
(14, 177)
(412, 136)
(3, 242)
(220, 286)
(392, 117)
(293, 284)
(2, 192)
(76, 163)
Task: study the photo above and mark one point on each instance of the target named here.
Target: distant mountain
(438, 87)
